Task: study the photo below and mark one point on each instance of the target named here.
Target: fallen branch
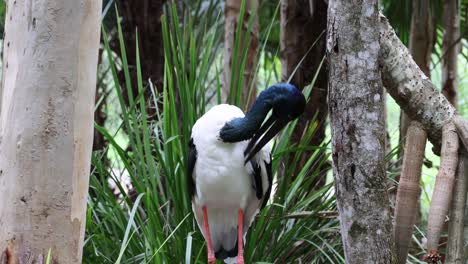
(443, 188)
(408, 189)
(455, 246)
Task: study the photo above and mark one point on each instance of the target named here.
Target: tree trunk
(144, 16)
(46, 128)
(233, 72)
(450, 48)
(303, 27)
(421, 45)
(358, 131)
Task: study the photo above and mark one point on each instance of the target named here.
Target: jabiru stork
(229, 167)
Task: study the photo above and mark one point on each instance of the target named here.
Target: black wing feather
(270, 182)
(192, 159)
(257, 179)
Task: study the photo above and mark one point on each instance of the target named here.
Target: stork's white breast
(221, 179)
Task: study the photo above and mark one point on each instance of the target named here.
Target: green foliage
(2, 15)
(154, 222)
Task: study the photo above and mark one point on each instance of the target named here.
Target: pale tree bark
(407, 201)
(413, 91)
(303, 43)
(248, 86)
(443, 189)
(358, 131)
(462, 128)
(455, 246)
(450, 49)
(410, 88)
(420, 99)
(46, 128)
(421, 45)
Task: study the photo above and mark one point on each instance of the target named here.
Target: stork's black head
(286, 102)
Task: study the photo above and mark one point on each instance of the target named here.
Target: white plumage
(223, 183)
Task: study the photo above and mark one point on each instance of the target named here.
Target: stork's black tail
(222, 253)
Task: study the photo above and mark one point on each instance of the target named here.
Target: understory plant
(148, 218)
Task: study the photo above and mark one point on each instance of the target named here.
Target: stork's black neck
(275, 97)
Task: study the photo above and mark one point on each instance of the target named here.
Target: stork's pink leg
(211, 256)
(240, 234)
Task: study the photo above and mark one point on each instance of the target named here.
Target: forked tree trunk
(46, 128)
(358, 131)
(303, 43)
(421, 45)
(232, 64)
(450, 48)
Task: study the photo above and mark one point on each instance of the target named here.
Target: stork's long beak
(267, 131)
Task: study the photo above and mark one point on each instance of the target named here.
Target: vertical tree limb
(443, 188)
(358, 131)
(455, 247)
(409, 190)
(462, 128)
(450, 48)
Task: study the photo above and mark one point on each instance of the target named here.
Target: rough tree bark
(455, 246)
(415, 93)
(421, 45)
(407, 200)
(410, 88)
(358, 131)
(450, 48)
(46, 128)
(304, 23)
(231, 15)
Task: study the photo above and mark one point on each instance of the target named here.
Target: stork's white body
(223, 183)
